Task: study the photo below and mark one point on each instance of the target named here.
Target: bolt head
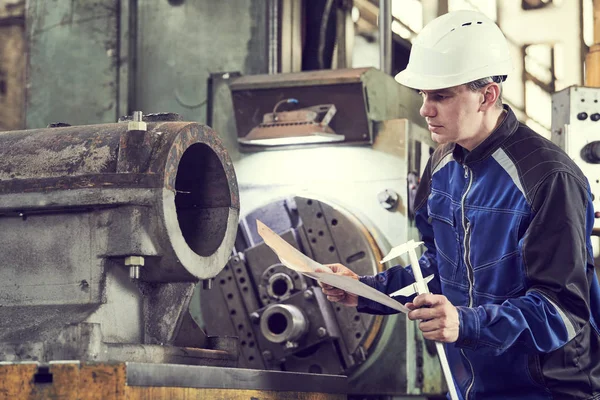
(321, 332)
(291, 345)
(308, 294)
(134, 260)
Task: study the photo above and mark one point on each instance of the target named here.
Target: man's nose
(427, 110)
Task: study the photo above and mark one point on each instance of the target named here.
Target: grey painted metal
(385, 36)
(575, 115)
(179, 46)
(80, 206)
(73, 62)
(12, 64)
(228, 308)
(161, 375)
(131, 54)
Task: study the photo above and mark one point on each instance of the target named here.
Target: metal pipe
(283, 323)
(273, 49)
(592, 59)
(385, 36)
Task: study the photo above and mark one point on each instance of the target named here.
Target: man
(506, 218)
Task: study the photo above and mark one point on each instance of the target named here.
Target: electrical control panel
(576, 129)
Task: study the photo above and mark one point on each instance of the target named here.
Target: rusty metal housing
(78, 207)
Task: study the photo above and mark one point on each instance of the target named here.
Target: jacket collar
(491, 143)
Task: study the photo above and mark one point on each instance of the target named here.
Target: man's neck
(489, 124)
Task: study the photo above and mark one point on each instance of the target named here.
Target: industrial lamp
(302, 126)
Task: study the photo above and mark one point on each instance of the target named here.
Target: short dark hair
(480, 83)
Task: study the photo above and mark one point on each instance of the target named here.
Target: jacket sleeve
(557, 263)
(397, 277)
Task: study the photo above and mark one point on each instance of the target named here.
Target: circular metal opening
(280, 287)
(283, 322)
(202, 199)
(277, 323)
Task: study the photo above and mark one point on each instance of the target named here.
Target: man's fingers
(429, 299)
(423, 314)
(335, 299)
(334, 292)
(440, 335)
(431, 325)
(333, 267)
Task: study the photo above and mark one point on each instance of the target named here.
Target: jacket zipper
(467, 246)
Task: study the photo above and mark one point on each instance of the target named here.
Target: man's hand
(338, 295)
(439, 318)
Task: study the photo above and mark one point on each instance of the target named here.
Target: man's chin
(440, 139)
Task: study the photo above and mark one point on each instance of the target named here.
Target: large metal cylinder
(84, 209)
(168, 194)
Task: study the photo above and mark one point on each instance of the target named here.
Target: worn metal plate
(181, 45)
(73, 61)
(12, 64)
(239, 305)
(231, 378)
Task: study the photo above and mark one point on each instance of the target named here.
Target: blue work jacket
(507, 233)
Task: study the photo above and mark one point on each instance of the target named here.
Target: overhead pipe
(385, 36)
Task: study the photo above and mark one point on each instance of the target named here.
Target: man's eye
(439, 97)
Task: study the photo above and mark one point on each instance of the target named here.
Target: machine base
(138, 381)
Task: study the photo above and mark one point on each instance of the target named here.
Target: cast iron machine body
(106, 229)
(343, 199)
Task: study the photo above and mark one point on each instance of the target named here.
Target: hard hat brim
(430, 82)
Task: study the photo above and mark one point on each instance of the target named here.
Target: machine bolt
(137, 123)
(388, 199)
(360, 355)
(291, 345)
(321, 332)
(134, 263)
(255, 318)
(267, 355)
(308, 294)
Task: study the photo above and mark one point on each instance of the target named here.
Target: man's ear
(490, 95)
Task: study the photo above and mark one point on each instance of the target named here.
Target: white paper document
(294, 259)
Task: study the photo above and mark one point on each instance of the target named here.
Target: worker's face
(453, 114)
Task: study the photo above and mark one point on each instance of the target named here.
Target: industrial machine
(575, 124)
(106, 230)
(339, 187)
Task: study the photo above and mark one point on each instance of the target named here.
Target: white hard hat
(456, 48)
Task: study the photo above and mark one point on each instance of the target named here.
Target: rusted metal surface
(88, 157)
(75, 204)
(104, 381)
(12, 64)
